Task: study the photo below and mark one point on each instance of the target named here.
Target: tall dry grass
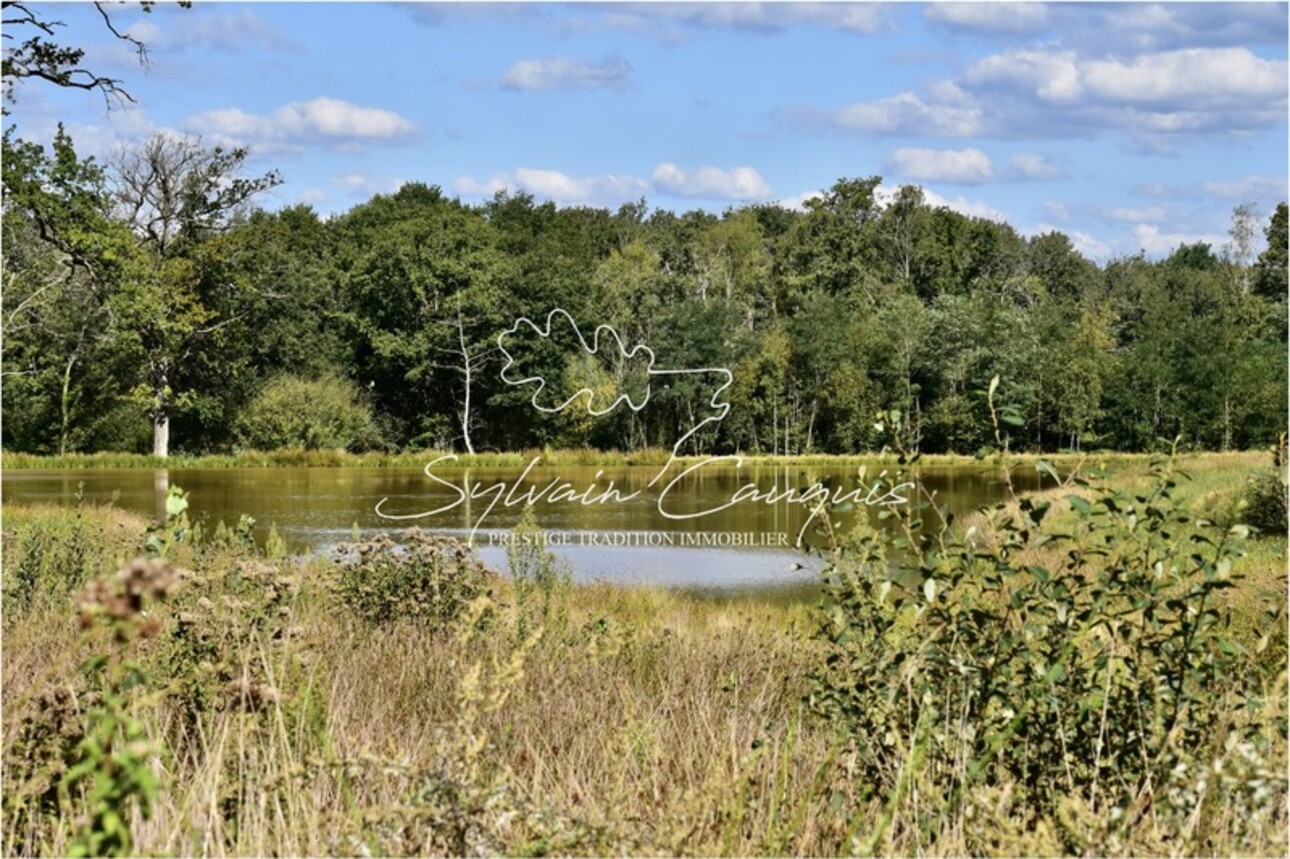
(639, 721)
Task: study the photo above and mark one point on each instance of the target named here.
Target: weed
(1267, 497)
(427, 578)
(535, 568)
(112, 771)
(1096, 682)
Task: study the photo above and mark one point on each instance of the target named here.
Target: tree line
(149, 305)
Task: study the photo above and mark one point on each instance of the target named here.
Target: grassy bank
(280, 712)
(588, 456)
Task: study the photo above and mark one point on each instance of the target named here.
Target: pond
(712, 524)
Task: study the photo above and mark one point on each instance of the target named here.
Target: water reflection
(316, 508)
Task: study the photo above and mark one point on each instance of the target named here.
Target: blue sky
(1127, 126)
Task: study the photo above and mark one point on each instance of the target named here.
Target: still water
(714, 526)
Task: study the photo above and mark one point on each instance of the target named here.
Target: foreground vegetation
(1120, 691)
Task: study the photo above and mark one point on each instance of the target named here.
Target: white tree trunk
(465, 364)
(161, 419)
(161, 435)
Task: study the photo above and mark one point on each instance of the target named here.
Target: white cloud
(602, 190)
(713, 183)
(797, 203)
(1050, 76)
(906, 113)
(330, 117)
(1255, 188)
(201, 26)
(1134, 216)
(1153, 97)
(1117, 27)
(1090, 246)
(312, 196)
(471, 188)
(1156, 242)
(676, 21)
(1103, 28)
(885, 194)
(322, 120)
(129, 124)
(1191, 77)
(965, 166)
(590, 189)
(1026, 165)
(1057, 209)
(989, 17)
(561, 73)
(361, 184)
(863, 18)
(964, 206)
(1247, 188)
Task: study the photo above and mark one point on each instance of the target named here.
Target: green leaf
(1043, 466)
(176, 503)
(1040, 574)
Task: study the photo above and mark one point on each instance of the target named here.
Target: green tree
(175, 194)
(734, 266)
(835, 247)
(423, 292)
(1082, 365)
(629, 285)
(760, 393)
(63, 262)
(1270, 270)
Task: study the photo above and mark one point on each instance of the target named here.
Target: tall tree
(835, 248)
(175, 193)
(63, 260)
(1270, 271)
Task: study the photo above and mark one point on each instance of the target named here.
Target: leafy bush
(49, 553)
(427, 578)
(534, 567)
(292, 412)
(1098, 683)
(1267, 498)
(1267, 502)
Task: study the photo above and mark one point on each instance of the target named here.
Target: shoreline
(642, 458)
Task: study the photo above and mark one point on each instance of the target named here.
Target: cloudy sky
(1129, 127)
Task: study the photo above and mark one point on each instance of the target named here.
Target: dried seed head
(249, 694)
(146, 578)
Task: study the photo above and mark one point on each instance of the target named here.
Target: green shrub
(1267, 498)
(542, 581)
(1266, 505)
(50, 552)
(1083, 665)
(427, 578)
(292, 412)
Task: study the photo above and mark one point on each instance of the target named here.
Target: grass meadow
(222, 699)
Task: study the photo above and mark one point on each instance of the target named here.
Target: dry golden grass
(642, 722)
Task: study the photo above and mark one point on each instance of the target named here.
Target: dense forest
(150, 305)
